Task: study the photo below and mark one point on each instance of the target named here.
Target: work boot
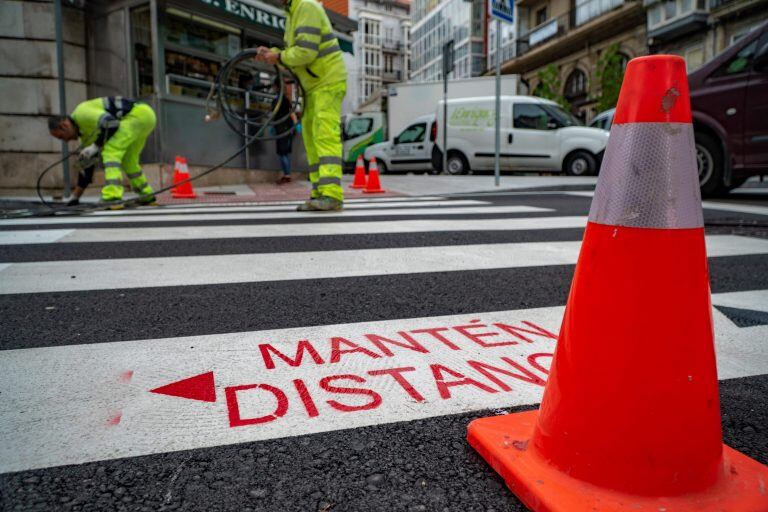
(112, 204)
(325, 204)
(283, 180)
(73, 202)
(306, 206)
(148, 201)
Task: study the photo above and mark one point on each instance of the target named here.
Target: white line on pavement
(82, 403)
(280, 208)
(756, 300)
(36, 236)
(740, 208)
(708, 205)
(365, 200)
(61, 276)
(282, 230)
(93, 219)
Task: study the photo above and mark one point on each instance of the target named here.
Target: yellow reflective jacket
(311, 51)
(98, 119)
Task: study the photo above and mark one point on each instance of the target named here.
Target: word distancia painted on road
(139, 397)
(410, 366)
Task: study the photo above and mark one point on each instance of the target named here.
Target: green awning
(346, 46)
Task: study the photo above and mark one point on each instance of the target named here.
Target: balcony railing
(593, 8)
(392, 76)
(546, 31)
(391, 44)
(560, 25)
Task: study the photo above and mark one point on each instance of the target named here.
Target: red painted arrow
(200, 387)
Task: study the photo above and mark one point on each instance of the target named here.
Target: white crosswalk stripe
(280, 208)
(68, 401)
(82, 275)
(288, 213)
(129, 234)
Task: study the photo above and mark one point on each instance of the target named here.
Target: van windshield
(561, 116)
(359, 126)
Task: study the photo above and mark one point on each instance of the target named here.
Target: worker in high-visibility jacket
(117, 128)
(313, 55)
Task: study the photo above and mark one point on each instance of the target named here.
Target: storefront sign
(249, 12)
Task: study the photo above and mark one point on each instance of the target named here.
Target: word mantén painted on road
(508, 354)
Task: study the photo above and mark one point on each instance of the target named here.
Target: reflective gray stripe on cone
(649, 178)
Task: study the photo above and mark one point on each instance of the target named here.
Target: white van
(536, 135)
(410, 150)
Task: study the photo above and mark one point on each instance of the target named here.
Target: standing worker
(313, 55)
(286, 121)
(118, 128)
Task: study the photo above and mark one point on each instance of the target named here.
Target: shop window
(196, 47)
(141, 41)
(201, 34)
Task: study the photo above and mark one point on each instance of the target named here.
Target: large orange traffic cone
(359, 181)
(630, 418)
(373, 185)
(181, 173)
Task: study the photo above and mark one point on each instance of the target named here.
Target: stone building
(382, 48)
(697, 30)
(572, 35)
(29, 87)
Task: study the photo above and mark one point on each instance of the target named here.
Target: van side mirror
(397, 140)
(551, 125)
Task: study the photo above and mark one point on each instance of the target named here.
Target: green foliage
(609, 75)
(550, 86)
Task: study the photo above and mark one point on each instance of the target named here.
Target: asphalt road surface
(230, 358)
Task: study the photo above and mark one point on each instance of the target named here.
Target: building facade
(29, 86)
(164, 52)
(508, 42)
(437, 22)
(570, 36)
(382, 47)
(697, 30)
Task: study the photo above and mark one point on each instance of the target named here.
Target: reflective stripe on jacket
(311, 51)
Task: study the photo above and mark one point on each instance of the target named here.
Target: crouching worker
(312, 53)
(117, 128)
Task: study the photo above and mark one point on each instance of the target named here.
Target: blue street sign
(503, 10)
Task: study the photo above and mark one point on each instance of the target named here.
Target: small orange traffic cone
(373, 185)
(359, 181)
(181, 173)
(630, 418)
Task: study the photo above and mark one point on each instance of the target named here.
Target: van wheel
(580, 163)
(457, 163)
(382, 166)
(709, 160)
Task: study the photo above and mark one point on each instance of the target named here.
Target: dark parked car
(729, 102)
